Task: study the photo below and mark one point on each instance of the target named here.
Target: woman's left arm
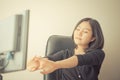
(48, 66)
(93, 58)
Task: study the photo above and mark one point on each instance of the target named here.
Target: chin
(77, 41)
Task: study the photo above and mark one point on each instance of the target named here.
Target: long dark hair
(98, 43)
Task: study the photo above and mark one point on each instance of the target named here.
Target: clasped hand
(43, 64)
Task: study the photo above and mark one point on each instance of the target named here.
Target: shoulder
(96, 51)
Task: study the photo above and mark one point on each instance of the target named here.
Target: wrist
(57, 65)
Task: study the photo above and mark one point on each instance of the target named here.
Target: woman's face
(83, 34)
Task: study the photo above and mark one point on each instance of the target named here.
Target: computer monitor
(14, 42)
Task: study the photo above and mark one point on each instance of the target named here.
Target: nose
(80, 33)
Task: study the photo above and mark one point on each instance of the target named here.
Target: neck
(80, 50)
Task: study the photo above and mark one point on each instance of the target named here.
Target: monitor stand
(1, 77)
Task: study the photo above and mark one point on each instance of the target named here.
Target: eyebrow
(87, 29)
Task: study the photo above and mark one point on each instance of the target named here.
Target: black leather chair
(56, 43)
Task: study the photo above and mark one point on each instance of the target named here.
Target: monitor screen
(14, 42)
(8, 33)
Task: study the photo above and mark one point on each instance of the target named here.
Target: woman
(81, 63)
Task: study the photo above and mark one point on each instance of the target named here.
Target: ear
(93, 38)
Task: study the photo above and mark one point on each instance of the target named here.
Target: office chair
(56, 43)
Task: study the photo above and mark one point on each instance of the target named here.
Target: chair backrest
(56, 43)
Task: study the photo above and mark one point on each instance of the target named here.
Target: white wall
(49, 17)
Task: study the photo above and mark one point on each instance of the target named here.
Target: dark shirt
(88, 67)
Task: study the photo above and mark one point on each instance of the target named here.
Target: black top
(88, 66)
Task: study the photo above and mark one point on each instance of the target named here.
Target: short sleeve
(95, 57)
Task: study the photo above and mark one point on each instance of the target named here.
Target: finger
(42, 71)
(37, 58)
(32, 69)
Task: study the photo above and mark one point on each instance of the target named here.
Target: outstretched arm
(67, 63)
(48, 66)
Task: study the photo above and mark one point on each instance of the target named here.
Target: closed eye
(85, 31)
